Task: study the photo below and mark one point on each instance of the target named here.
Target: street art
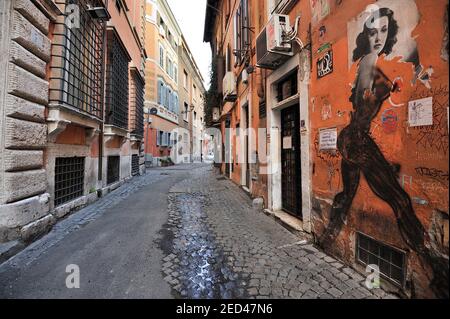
(325, 64)
(389, 121)
(444, 50)
(380, 34)
(434, 137)
(320, 9)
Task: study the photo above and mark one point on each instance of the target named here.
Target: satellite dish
(153, 111)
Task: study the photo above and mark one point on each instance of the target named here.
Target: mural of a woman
(360, 153)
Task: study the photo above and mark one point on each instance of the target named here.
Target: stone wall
(25, 51)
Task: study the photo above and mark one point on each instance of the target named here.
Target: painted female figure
(360, 153)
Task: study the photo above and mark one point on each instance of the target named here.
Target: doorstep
(291, 223)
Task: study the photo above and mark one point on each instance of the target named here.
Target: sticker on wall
(389, 121)
(325, 64)
(420, 112)
(328, 139)
(287, 142)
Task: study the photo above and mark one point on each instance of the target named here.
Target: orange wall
(411, 148)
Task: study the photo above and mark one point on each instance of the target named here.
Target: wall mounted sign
(325, 64)
(287, 142)
(420, 112)
(328, 139)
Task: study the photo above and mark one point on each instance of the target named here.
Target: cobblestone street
(195, 235)
(217, 246)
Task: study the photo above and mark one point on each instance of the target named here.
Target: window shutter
(158, 133)
(159, 92)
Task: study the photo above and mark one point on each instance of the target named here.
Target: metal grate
(76, 78)
(390, 261)
(135, 165)
(116, 101)
(137, 104)
(113, 169)
(69, 179)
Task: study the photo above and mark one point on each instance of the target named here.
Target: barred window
(77, 60)
(116, 82)
(137, 103)
(134, 164)
(69, 179)
(390, 261)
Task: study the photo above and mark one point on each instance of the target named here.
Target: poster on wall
(401, 18)
(325, 64)
(420, 112)
(287, 142)
(328, 139)
(320, 9)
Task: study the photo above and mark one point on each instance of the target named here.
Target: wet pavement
(196, 266)
(178, 232)
(217, 246)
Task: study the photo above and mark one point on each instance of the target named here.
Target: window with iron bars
(137, 103)
(390, 261)
(134, 164)
(77, 60)
(69, 179)
(116, 101)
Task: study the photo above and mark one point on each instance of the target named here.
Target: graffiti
(377, 35)
(320, 9)
(322, 31)
(330, 159)
(420, 201)
(432, 173)
(434, 137)
(406, 180)
(340, 113)
(434, 187)
(444, 50)
(326, 111)
(325, 64)
(389, 121)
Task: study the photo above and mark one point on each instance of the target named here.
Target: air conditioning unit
(229, 87)
(271, 49)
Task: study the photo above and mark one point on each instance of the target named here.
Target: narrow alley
(178, 232)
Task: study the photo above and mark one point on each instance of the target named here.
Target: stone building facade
(71, 101)
(355, 150)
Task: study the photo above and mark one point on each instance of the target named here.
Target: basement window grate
(69, 179)
(113, 169)
(135, 165)
(390, 261)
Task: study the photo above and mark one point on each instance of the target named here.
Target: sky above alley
(190, 15)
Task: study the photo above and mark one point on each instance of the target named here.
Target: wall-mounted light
(99, 13)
